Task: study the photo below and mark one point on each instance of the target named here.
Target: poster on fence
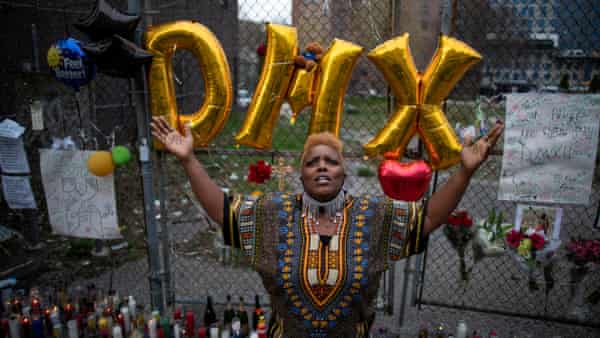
(79, 203)
(550, 145)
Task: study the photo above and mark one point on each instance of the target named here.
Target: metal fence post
(139, 100)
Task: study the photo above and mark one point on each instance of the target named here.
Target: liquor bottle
(228, 314)
(243, 316)
(210, 317)
(258, 311)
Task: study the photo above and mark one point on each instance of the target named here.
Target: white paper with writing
(550, 145)
(13, 158)
(10, 129)
(17, 192)
(79, 203)
(37, 115)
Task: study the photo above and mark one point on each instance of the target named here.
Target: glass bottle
(210, 317)
(228, 314)
(243, 316)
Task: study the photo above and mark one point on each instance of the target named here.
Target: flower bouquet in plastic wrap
(533, 250)
(584, 256)
(488, 240)
(459, 231)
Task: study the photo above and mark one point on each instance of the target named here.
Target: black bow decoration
(111, 32)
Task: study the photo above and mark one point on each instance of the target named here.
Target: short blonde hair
(324, 138)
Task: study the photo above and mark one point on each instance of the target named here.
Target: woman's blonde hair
(324, 138)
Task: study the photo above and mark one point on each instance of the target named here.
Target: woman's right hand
(182, 146)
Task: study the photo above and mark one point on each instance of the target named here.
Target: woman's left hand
(473, 154)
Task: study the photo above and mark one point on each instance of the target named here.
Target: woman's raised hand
(182, 146)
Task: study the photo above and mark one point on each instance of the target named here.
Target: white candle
(54, 316)
(461, 329)
(131, 305)
(225, 333)
(214, 332)
(177, 331)
(117, 332)
(152, 328)
(72, 329)
(126, 319)
(14, 327)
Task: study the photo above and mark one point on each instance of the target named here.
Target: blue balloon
(70, 64)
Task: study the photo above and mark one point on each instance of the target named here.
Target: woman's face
(322, 172)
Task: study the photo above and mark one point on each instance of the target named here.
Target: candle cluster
(94, 314)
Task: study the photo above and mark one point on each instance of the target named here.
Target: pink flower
(513, 238)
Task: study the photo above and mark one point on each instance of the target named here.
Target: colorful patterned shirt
(322, 288)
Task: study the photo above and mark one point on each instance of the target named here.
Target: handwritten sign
(79, 203)
(550, 147)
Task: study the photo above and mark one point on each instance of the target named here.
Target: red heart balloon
(404, 181)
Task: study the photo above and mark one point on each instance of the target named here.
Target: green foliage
(493, 225)
(365, 172)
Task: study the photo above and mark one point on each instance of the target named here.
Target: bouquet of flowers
(532, 249)
(489, 235)
(584, 254)
(459, 231)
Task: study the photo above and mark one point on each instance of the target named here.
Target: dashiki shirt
(322, 288)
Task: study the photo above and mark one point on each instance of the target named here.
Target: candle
(68, 312)
(121, 321)
(213, 332)
(103, 326)
(177, 314)
(152, 328)
(189, 323)
(117, 332)
(126, 319)
(91, 322)
(55, 316)
(14, 327)
(131, 304)
(57, 330)
(177, 330)
(37, 326)
(47, 321)
(201, 332)
(166, 327)
(25, 327)
(4, 328)
(35, 305)
(72, 330)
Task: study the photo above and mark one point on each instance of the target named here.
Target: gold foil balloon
(278, 67)
(334, 72)
(449, 64)
(439, 138)
(301, 91)
(420, 98)
(163, 41)
(394, 60)
(100, 163)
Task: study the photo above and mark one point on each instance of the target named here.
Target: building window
(547, 76)
(541, 23)
(543, 11)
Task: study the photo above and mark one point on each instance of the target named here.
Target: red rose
(261, 50)
(259, 172)
(460, 218)
(513, 238)
(537, 241)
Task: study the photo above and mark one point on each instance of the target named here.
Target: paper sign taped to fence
(13, 158)
(550, 145)
(17, 192)
(79, 203)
